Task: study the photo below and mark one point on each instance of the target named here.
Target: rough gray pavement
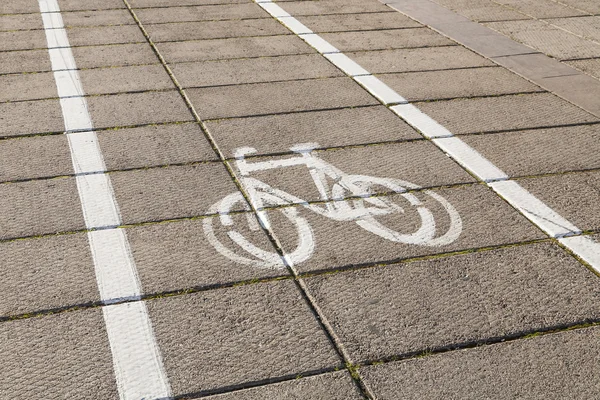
(291, 228)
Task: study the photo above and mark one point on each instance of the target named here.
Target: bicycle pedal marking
(354, 202)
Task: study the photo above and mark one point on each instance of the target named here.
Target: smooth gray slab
(386, 39)
(356, 22)
(87, 36)
(19, 87)
(541, 151)
(333, 386)
(47, 156)
(505, 113)
(406, 308)
(166, 193)
(420, 163)
(482, 10)
(114, 55)
(22, 40)
(16, 118)
(470, 82)
(46, 273)
(154, 145)
(125, 79)
(556, 366)
(183, 31)
(39, 207)
(137, 109)
(25, 61)
(486, 220)
(323, 7)
(278, 133)
(421, 59)
(278, 97)
(178, 255)
(97, 18)
(575, 196)
(243, 47)
(230, 336)
(17, 22)
(201, 13)
(255, 70)
(57, 357)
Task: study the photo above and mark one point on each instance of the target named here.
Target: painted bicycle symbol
(348, 199)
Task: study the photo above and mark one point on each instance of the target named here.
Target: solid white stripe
(586, 248)
(469, 158)
(531, 207)
(138, 368)
(294, 25)
(346, 64)
(320, 44)
(138, 365)
(380, 90)
(428, 127)
(274, 10)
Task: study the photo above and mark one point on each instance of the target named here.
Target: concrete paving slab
(154, 145)
(575, 197)
(421, 59)
(541, 8)
(547, 39)
(24, 61)
(482, 10)
(201, 13)
(323, 7)
(231, 336)
(560, 365)
(77, 5)
(333, 386)
(278, 133)
(471, 82)
(542, 151)
(27, 87)
(386, 39)
(420, 163)
(137, 109)
(171, 3)
(357, 22)
(97, 18)
(587, 27)
(591, 67)
(278, 97)
(590, 6)
(125, 79)
(178, 255)
(407, 308)
(18, 22)
(16, 118)
(505, 113)
(114, 55)
(19, 6)
(184, 31)
(486, 220)
(56, 357)
(175, 192)
(47, 156)
(39, 207)
(255, 70)
(46, 273)
(22, 40)
(223, 49)
(86, 36)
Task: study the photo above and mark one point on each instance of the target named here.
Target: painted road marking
(137, 363)
(527, 204)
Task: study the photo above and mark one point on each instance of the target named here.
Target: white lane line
(532, 208)
(137, 363)
(346, 64)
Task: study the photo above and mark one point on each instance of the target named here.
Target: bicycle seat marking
(348, 199)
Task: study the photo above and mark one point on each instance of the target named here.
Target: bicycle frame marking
(360, 207)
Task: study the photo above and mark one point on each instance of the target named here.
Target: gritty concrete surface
(287, 235)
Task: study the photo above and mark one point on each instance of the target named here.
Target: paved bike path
(359, 305)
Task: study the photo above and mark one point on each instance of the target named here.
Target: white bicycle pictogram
(350, 199)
